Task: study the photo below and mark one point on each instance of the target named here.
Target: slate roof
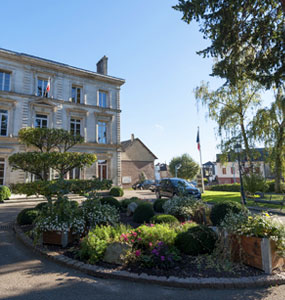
(259, 155)
(126, 144)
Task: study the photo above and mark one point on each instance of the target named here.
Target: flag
(198, 140)
(47, 88)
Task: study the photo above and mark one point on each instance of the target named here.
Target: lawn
(216, 197)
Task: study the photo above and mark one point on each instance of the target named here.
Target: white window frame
(2, 84)
(44, 80)
(73, 171)
(105, 138)
(76, 87)
(101, 92)
(40, 117)
(2, 162)
(75, 121)
(100, 164)
(7, 115)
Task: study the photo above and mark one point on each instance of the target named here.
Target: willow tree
(230, 107)
(268, 126)
(49, 149)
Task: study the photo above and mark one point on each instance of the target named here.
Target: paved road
(25, 275)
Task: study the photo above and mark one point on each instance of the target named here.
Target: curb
(189, 283)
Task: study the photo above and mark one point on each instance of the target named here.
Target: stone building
(36, 92)
(136, 159)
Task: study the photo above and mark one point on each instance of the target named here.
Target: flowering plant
(263, 226)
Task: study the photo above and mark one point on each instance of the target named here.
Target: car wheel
(157, 195)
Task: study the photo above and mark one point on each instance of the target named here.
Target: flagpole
(201, 165)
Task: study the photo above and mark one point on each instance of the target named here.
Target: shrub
(158, 205)
(196, 240)
(220, 210)
(254, 183)
(94, 245)
(111, 201)
(94, 213)
(164, 219)
(234, 187)
(116, 191)
(271, 186)
(143, 213)
(27, 216)
(5, 193)
(124, 203)
(41, 206)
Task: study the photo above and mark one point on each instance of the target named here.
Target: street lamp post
(238, 151)
(177, 167)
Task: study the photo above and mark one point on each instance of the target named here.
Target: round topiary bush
(126, 202)
(143, 213)
(196, 240)
(164, 219)
(116, 191)
(111, 201)
(220, 210)
(27, 216)
(5, 193)
(41, 206)
(158, 205)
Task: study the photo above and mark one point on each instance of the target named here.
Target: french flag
(198, 140)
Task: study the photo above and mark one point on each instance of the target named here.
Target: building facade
(36, 92)
(137, 159)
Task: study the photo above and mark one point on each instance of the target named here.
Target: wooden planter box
(256, 252)
(58, 238)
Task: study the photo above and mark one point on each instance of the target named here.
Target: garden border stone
(189, 283)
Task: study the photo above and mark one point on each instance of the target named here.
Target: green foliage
(41, 206)
(52, 146)
(182, 207)
(116, 191)
(111, 201)
(27, 216)
(164, 219)
(158, 205)
(126, 202)
(196, 240)
(5, 193)
(189, 168)
(233, 187)
(255, 183)
(94, 213)
(271, 186)
(247, 39)
(56, 187)
(220, 210)
(142, 177)
(143, 213)
(94, 245)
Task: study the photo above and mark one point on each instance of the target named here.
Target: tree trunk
(278, 160)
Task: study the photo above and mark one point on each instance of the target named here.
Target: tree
(52, 146)
(269, 127)
(229, 107)
(247, 37)
(189, 168)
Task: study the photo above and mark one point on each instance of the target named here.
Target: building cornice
(59, 67)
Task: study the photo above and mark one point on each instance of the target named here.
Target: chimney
(132, 137)
(102, 65)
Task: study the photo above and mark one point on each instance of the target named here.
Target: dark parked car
(145, 185)
(170, 187)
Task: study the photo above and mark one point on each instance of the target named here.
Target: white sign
(126, 179)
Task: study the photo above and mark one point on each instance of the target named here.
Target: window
(224, 171)
(42, 88)
(41, 121)
(3, 122)
(102, 133)
(102, 99)
(75, 125)
(102, 169)
(2, 171)
(74, 174)
(4, 81)
(233, 170)
(76, 94)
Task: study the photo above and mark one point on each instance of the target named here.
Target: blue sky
(147, 44)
